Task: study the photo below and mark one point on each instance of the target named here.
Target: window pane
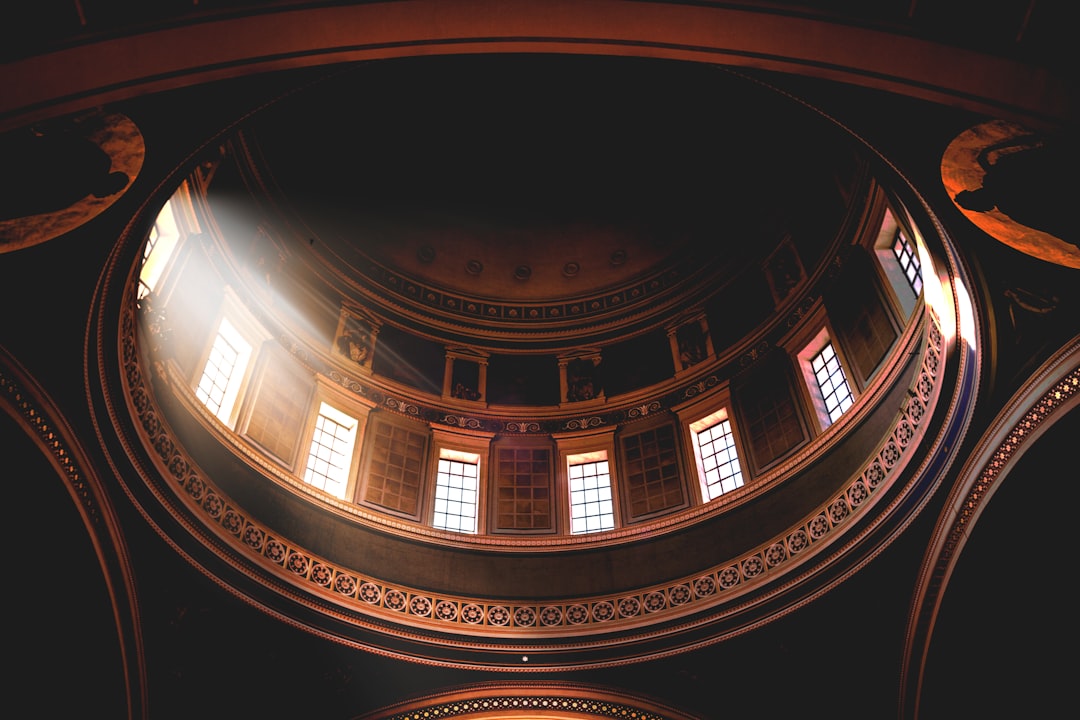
(716, 448)
(835, 391)
(909, 261)
(456, 481)
(330, 454)
(590, 504)
(223, 372)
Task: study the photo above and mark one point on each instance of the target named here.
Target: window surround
(351, 424)
(587, 445)
(468, 446)
(803, 344)
(696, 429)
(698, 415)
(901, 294)
(251, 331)
(175, 222)
(356, 408)
(820, 341)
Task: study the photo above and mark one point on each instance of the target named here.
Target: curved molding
(521, 625)
(302, 36)
(409, 402)
(554, 701)
(1050, 393)
(42, 421)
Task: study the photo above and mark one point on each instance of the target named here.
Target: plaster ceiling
(536, 178)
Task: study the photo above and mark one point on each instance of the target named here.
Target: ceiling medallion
(618, 258)
(425, 254)
(522, 272)
(474, 267)
(571, 269)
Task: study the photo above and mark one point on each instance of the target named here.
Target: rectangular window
(160, 245)
(905, 254)
(331, 451)
(718, 461)
(456, 486)
(897, 250)
(831, 382)
(224, 371)
(591, 509)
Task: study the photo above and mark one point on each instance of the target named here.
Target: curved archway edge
(216, 48)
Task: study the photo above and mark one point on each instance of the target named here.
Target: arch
(529, 701)
(102, 71)
(1051, 394)
(42, 422)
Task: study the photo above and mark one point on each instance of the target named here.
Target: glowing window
(224, 371)
(160, 245)
(331, 451)
(901, 260)
(718, 461)
(456, 485)
(831, 382)
(591, 509)
(909, 261)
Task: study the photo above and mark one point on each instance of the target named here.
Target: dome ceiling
(476, 209)
(547, 183)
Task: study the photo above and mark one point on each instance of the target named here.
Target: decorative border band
(572, 706)
(402, 604)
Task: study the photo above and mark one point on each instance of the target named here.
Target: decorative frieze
(371, 595)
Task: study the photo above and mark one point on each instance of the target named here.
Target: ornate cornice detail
(556, 700)
(627, 610)
(394, 286)
(572, 706)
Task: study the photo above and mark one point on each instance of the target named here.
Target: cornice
(687, 604)
(554, 700)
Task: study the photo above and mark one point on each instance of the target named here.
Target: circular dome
(556, 354)
(465, 188)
